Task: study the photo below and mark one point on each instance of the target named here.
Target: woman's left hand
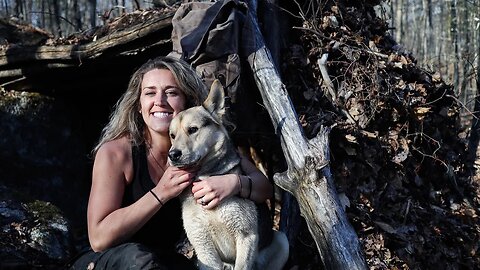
(210, 191)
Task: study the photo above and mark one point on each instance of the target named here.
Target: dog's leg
(193, 222)
(275, 255)
(208, 258)
(246, 251)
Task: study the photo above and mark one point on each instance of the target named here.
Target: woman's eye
(192, 130)
(171, 93)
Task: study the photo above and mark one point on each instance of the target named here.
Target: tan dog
(228, 234)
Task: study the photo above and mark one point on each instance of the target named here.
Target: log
(308, 177)
(290, 219)
(114, 42)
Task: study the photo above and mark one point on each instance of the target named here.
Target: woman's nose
(160, 99)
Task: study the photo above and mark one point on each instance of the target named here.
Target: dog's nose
(174, 154)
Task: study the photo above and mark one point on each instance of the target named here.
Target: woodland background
(400, 127)
(443, 35)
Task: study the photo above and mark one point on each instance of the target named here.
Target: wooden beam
(308, 176)
(16, 55)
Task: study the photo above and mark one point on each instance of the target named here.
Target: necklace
(155, 159)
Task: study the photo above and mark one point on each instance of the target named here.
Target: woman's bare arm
(108, 223)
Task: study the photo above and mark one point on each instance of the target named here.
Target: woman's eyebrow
(147, 88)
(169, 87)
(162, 87)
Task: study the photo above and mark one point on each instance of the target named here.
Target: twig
(342, 43)
(326, 78)
(323, 69)
(464, 107)
(13, 81)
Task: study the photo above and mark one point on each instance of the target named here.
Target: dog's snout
(174, 154)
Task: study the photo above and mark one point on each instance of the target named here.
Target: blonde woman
(134, 215)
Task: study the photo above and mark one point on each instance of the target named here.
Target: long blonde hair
(125, 120)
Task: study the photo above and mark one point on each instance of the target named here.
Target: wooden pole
(308, 176)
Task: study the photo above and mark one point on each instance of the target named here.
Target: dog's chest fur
(221, 224)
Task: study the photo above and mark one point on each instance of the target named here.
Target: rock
(33, 233)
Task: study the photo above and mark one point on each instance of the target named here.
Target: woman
(134, 215)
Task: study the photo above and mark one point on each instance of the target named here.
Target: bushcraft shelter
(368, 120)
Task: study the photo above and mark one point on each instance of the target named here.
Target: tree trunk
(274, 33)
(6, 7)
(93, 12)
(308, 176)
(473, 140)
(77, 16)
(454, 31)
(56, 18)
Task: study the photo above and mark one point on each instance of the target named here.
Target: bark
(77, 17)
(56, 18)
(274, 34)
(18, 9)
(454, 31)
(43, 24)
(473, 140)
(6, 7)
(308, 176)
(93, 12)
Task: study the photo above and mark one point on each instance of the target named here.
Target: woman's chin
(160, 127)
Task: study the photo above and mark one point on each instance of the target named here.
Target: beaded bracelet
(156, 197)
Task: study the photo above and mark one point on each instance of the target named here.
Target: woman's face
(160, 100)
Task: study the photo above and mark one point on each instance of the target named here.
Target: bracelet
(156, 197)
(240, 183)
(249, 186)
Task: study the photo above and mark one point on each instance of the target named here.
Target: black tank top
(165, 228)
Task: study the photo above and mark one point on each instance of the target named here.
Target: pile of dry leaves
(396, 154)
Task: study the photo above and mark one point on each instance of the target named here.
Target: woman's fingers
(210, 204)
(207, 198)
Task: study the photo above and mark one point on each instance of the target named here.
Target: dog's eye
(192, 130)
(172, 136)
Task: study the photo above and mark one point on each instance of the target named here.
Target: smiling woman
(160, 100)
(133, 190)
(134, 215)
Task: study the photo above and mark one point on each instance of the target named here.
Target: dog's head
(197, 134)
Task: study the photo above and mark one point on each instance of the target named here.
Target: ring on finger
(202, 202)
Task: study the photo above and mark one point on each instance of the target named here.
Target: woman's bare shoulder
(118, 149)
(115, 155)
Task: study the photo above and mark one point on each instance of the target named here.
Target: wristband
(156, 197)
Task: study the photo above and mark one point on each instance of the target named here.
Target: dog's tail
(275, 255)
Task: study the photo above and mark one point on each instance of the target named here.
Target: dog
(228, 235)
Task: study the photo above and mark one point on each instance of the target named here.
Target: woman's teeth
(161, 114)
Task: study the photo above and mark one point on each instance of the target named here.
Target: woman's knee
(135, 256)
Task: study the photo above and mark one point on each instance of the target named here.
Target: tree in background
(64, 17)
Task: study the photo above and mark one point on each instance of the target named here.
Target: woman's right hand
(173, 182)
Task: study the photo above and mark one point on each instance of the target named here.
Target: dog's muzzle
(174, 155)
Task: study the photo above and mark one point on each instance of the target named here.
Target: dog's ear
(215, 102)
